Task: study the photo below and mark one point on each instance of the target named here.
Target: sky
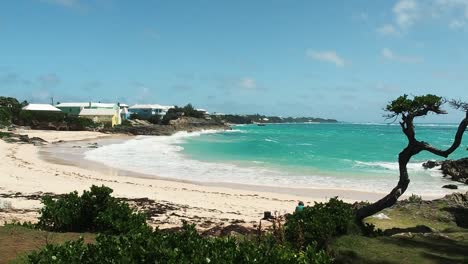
(332, 59)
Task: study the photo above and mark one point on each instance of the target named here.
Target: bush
(78, 123)
(186, 246)
(319, 223)
(154, 119)
(414, 198)
(95, 211)
(5, 117)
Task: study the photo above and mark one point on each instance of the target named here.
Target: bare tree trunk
(413, 148)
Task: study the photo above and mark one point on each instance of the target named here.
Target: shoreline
(49, 154)
(28, 170)
(24, 174)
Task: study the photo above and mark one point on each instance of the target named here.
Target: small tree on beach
(408, 109)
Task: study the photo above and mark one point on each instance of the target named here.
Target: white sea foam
(163, 156)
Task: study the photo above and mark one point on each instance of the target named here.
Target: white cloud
(388, 30)
(406, 13)
(390, 55)
(248, 83)
(326, 56)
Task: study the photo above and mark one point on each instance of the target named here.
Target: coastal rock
(457, 170)
(430, 164)
(450, 186)
(189, 124)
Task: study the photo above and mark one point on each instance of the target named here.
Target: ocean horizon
(350, 156)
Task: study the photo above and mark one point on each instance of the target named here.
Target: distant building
(109, 116)
(205, 112)
(41, 108)
(148, 110)
(124, 113)
(76, 109)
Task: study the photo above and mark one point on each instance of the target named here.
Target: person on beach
(300, 206)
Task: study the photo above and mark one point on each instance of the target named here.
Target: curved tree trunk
(413, 148)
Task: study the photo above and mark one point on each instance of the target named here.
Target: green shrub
(186, 246)
(414, 198)
(5, 117)
(78, 123)
(126, 123)
(318, 223)
(95, 211)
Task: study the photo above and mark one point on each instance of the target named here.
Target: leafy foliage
(9, 110)
(318, 223)
(94, 210)
(176, 112)
(186, 246)
(414, 199)
(418, 106)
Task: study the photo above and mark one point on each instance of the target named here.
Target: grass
(386, 250)
(16, 241)
(413, 214)
(448, 243)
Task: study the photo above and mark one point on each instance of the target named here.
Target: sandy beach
(26, 174)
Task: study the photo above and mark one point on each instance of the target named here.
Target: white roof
(97, 112)
(123, 105)
(41, 107)
(103, 105)
(150, 106)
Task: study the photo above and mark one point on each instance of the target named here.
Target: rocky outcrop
(16, 138)
(189, 124)
(457, 170)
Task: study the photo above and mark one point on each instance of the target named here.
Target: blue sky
(334, 59)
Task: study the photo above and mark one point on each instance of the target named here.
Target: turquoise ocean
(340, 155)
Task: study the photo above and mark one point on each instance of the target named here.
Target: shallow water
(345, 156)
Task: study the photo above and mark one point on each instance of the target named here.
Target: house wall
(103, 119)
(146, 112)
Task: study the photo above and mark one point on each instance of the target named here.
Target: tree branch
(456, 143)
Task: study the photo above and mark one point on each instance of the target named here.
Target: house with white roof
(107, 115)
(148, 110)
(41, 108)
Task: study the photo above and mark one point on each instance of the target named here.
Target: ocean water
(342, 156)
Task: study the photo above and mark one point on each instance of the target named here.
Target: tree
(408, 109)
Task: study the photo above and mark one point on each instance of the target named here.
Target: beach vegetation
(317, 224)
(185, 246)
(94, 211)
(177, 112)
(407, 109)
(9, 110)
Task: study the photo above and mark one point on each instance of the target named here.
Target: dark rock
(416, 229)
(430, 164)
(456, 170)
(450, 186)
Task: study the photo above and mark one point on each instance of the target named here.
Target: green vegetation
(126, 238)
(176, 112)
(93, 211)
(186, 246)
(395, 250)
(10, 109)
(16, 242)
(319, 223)
(322, 233)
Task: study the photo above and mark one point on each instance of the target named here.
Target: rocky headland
(189, 124)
